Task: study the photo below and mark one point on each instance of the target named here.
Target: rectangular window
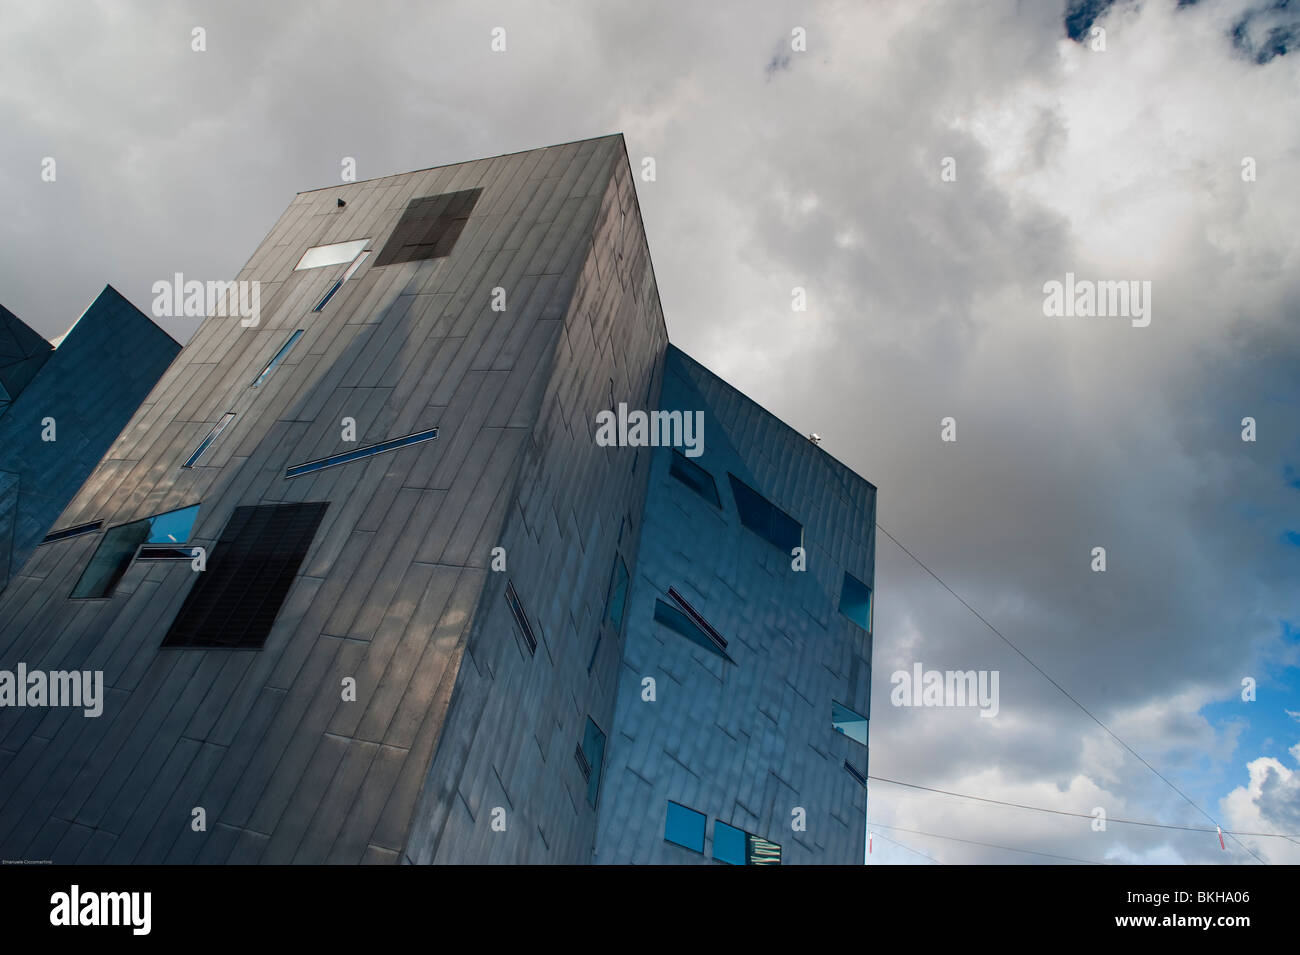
(521, 619)
(217, 428)
(855, 602)
(728, 843)
(695, 477)
(674, 619)
(277, 358)
(591, 757)
(76, 531)
(160, 552)
(233, 604)
(118, 548)
(429, 227)
(764, 518)
(738, 847)
(685, 827)
(336, 254)
(851, 724)
(365, 452)
(616, 598)
(339, 284)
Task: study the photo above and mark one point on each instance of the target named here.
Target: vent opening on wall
(525, 629)
(233, 604)
(429, 227)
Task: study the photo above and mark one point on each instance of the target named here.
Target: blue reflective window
(278, 357)
(685, 827)
(217, 428)
(728, 844)
(764, 518)
(118, 548)
(616, 599)
(855, 602)
(846, 721)
(695, 477)
(365, 452)
(593, 753)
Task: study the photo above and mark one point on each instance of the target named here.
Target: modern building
(369, 581)
(61, 408)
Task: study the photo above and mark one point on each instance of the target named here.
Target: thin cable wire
(987, 845)
(1191, 802)
(881, 835)
(1083, 815)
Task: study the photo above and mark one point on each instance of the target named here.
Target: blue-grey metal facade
(461, 740)
(88, 387)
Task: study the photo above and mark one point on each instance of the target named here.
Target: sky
(921, 170)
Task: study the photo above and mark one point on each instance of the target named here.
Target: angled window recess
(234, 603)
(528, 638)
(685, 827)
(857, 774)
(688, 622)
(851, 724)
(695, 477)
(77, 531)
(429, 227)
(365, 452)
(591, 756)
(118, 548)
(277, 358)
(339, 253)
(206, 443)
(738, 847)
(356, 264)
(616, 598)
(764, 518)
(855, 602)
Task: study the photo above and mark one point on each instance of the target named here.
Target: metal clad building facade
(403, 647)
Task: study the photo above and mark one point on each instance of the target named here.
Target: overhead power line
(1109, 732)
(987, 845)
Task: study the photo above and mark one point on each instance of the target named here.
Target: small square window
(685, 827)
(846, 721)
(728, 844)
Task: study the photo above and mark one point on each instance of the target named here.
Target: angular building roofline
(109, 288)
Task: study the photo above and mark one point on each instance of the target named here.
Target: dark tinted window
(592, 754)
(675, 619)
(235, 601)
(695, 477)
(855, 602)
(429, 227)
(764, 518)
(116, 551)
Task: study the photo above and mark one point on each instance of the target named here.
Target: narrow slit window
(674, 619)
(356, 264)
(67, 532)
(856, 773)
(616, 598)
(528, 638)
(591, 757)
(846, 721)
(685, 827)
(365, 452)
(339, 253)
(277, 358)
(695, 477)
(207, 442)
